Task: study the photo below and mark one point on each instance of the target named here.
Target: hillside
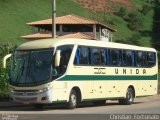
(14, 14)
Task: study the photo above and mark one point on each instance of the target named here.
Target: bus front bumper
(26, 97)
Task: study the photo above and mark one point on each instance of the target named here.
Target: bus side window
(108, 57)
(103, 54)
(151, 59)
(144, 59)
(141, 59)
(66, 51)
(77, 56)
(116, 57)
(133, 58)
(98, 56)
(127, 58)
(82, 56)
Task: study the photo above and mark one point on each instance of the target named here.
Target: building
(70, 26)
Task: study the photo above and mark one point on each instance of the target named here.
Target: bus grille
(26, 93)
(24, 99)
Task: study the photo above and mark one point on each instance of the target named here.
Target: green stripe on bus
(106, 77)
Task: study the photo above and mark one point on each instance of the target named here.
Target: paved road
(147, 105)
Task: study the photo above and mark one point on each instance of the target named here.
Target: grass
(14, 14)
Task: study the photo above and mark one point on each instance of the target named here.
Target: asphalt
(8, 104)
(86, 111)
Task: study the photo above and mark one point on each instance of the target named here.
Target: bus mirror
(5, 59)
(57, 58)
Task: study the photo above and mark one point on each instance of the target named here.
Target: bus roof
(50, 43)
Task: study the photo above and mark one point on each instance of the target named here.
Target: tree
(145, 9)
(135, 21)
(123, 12)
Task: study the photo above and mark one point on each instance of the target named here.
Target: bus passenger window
(141, 59)
(98, 56)
(77, 57)
(82, 56)
(127, 58)
(66, 51)
(116, 57)
(103, 55)
(151, 59)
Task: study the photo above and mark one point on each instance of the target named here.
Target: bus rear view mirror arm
(57, 58)
(5, 59)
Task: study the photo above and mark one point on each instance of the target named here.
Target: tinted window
(141, 59)
(65, 56)
(116, 57)
(98, 56)
(82, 56)
(128, 57)
(151, 59)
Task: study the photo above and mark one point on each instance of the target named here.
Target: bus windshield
(31, 67)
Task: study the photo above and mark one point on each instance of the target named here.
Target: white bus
(74, 70)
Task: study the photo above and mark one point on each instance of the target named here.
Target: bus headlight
(43, 90)
(12, 91)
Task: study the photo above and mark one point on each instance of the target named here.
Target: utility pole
(53, 18)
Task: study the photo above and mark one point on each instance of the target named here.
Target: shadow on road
(57, 106)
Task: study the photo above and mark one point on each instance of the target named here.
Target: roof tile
(49, 35)
(67, 19)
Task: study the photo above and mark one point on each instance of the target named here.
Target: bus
(74, 70)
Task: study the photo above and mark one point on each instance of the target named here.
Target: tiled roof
(37, 36)
(77, 35)
(48, 35)
(69, 19)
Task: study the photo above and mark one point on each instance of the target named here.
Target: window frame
(108, 57)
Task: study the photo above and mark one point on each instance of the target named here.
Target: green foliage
(3, 82)
(145, 9)
(133, 40)
(135, 21)
(123, 12)
(4, 73)
(14, 14)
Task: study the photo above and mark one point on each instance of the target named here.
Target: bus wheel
(72, 100)
(38, 106)
(129, 97)
(100, 102)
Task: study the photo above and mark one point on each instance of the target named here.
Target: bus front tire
(129, 97)
(72, 100)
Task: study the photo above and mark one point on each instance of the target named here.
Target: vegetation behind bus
(16, 13)
(4, 73)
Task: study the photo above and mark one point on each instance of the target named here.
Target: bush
(135, 21)
(133, 40)
(145, 9)
(123, 12)
(4, 73)
(4, 77)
